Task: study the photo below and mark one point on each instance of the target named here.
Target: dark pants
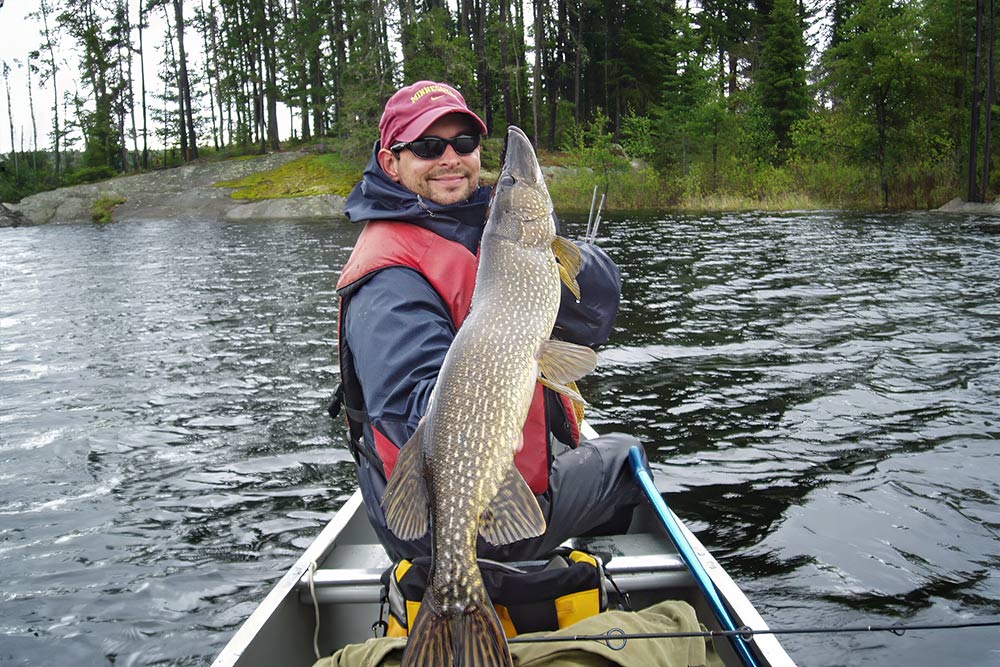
(591, 491)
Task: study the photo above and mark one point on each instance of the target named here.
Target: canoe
(340, 594)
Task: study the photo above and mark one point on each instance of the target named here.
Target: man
(404, 292)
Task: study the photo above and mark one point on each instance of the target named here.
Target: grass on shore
(643, 189)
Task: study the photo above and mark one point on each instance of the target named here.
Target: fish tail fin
(473, 638)
(483, 642)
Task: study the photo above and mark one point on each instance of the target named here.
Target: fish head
(521, 209)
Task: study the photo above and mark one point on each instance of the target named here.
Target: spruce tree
(781, 77)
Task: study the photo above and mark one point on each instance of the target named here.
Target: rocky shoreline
(186, 192)
(958, 205)
(189, 192)
(9, 218)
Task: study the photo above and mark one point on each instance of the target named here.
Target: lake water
(820, 393)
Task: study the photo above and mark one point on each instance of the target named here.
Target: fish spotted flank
(456, 475)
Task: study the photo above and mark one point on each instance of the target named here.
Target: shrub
(100, 210)
(572, 189)
(90, 175)
(637, 136)
(836, 183)
(595, 149)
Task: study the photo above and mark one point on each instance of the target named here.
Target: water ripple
(819, 393)
(163, 393)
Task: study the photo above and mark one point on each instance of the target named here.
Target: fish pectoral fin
(570, 261)
(513, 514)
(569, 392)
(405, 501)
(561, 362)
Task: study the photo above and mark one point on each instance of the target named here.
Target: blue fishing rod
(645, 479)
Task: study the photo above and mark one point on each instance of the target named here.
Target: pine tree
(781, 77)
(98, 35)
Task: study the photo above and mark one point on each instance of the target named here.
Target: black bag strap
(356, 419)
(337, 402)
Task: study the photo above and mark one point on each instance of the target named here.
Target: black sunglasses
(428, 148)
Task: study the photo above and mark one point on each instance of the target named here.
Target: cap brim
(416, 128)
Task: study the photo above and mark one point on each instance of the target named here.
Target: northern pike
(456, 475)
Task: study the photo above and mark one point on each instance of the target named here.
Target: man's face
(445, 180)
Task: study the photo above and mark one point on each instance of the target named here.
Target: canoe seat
(353, 573)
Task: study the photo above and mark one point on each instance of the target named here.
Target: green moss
(310, 175)
(100, 210)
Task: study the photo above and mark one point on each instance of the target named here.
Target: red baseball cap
(411, 110)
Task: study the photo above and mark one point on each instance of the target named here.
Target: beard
(446, 191)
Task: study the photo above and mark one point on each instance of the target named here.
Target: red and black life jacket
(450, 269)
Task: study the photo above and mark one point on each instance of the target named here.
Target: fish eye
(507, 180)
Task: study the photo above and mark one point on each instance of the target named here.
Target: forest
(840, 103)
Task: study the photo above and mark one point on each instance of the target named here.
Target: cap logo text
(430, 89)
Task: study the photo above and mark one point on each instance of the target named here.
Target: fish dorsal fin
(570, 261)
(569, 281)
(405, 501)
(561, 362)
(513, 514)
(568, 254)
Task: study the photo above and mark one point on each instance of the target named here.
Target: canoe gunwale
(283, 591)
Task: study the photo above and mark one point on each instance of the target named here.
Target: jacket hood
(378, 197)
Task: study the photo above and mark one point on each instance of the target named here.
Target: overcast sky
(20, 35)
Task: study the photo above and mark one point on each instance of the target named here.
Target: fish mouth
(519, 161)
